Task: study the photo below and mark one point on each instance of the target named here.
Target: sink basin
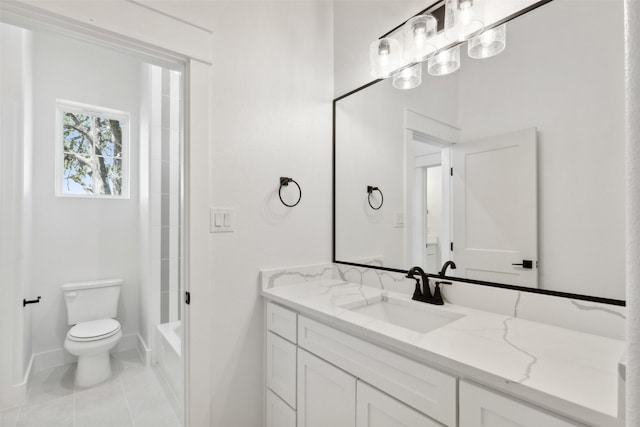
(413, 315)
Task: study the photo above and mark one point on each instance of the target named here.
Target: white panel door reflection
(494, 222)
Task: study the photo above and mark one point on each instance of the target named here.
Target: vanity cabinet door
(326, 394)
(482, 408)
(377, 409)
(279, 414)
(281, 368)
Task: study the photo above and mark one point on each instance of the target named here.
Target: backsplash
(584, 316)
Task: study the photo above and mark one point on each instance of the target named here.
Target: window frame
(65, 106)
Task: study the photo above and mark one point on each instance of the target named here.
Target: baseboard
(144, 351)
(59, 356)
(17, 394)
(52, 359)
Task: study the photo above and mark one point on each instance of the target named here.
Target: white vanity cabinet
(480, 407)
(326, 394)
(280, 366)
(319, 376)
(278, 413)
(313, 371)
(378, 409)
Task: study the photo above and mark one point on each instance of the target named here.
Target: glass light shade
(408, 77)
(419, 37)
(489, 43)
(445, 62)
(384, 55)
(463, 19)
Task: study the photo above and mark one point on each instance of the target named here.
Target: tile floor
(135, 396)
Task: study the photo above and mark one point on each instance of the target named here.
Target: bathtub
(169, 360)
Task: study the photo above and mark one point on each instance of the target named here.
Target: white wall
(15, 211)
(271, 117)
(632, 85)
(77, 239)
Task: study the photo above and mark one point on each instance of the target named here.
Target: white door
(377, 409)
(495, 224)
(326, 394)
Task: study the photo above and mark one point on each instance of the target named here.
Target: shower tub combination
(169, 355)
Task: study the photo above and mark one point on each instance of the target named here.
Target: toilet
(92, 308)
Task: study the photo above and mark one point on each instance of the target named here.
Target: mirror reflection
(512, 166)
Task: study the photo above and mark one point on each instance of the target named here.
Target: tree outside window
(93, 145)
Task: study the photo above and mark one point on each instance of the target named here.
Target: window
(92, 151)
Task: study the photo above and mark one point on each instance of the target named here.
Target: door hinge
(451, 247)
(187, 298)
(451, 171)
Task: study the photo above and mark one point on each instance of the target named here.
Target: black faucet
(451, 264)
(425, 294)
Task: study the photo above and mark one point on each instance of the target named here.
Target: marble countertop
(565, 371)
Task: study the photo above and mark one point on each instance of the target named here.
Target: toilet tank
(91, 300)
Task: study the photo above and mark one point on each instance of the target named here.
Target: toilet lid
(94, 329)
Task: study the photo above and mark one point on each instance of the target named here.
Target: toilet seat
(94, 330)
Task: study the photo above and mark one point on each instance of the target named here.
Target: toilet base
(94, 365)
(93, 369)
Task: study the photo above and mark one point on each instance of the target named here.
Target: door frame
(195, 173)
(438, 133)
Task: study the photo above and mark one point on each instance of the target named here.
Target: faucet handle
(437, 295)
(417, 294)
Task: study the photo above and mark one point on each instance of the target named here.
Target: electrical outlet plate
(222, 220)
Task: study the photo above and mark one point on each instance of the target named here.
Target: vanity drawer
(480, 407)
(279, 414)
(281, 368)
(282, 321)
(375, 408)
(425, 389)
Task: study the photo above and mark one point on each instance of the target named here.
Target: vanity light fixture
(490, 43)
(419, 38)
(384, 55)
(445, 62)
(463, 19)
(408, 77)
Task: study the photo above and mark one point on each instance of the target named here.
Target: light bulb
(384, 48)
(419, 38)
(445, 62)
(408, 77)
(466, 11)
(443, 57)
(384, 57)
(463, 19)
(489, 43)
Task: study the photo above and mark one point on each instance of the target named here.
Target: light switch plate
(222, 220)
